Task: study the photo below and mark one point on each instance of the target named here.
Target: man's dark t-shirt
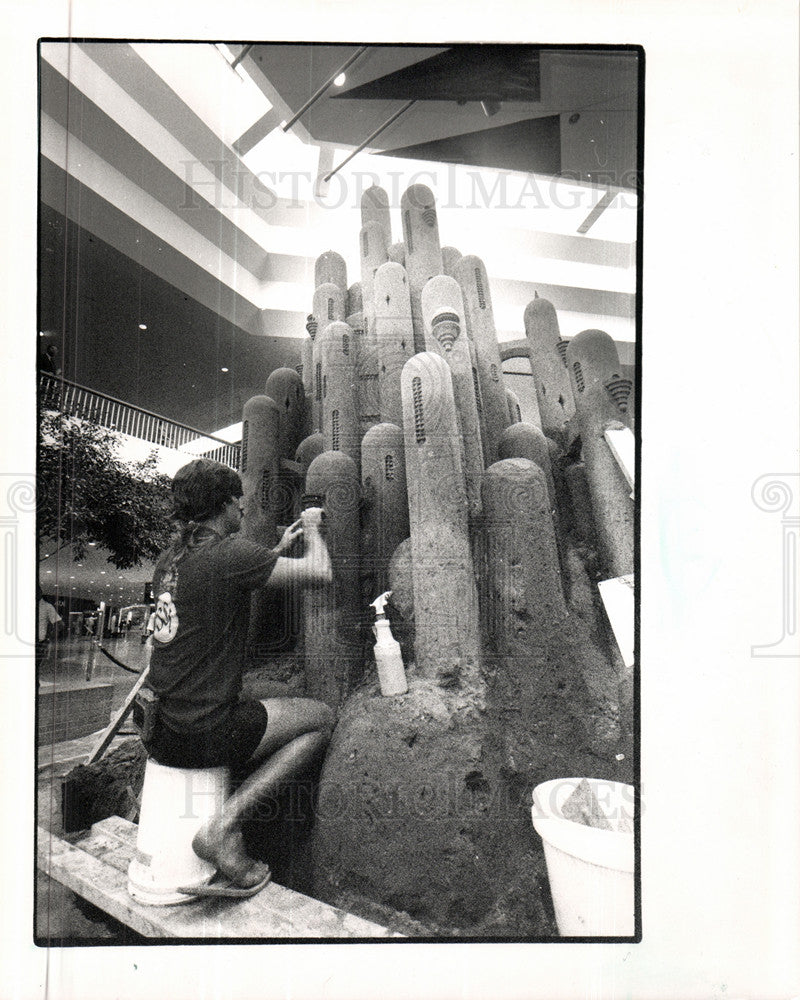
(201, 629)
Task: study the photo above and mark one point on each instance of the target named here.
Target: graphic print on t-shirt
(166, 614)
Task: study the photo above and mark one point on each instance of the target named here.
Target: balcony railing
(76, 400)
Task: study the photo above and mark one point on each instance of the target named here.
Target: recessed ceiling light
(92, 543)
(49, 571)
(72, 578)
(223, 369)
(102, 572)
(143, 326)
(339, 81)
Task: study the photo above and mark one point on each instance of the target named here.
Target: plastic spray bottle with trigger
(391, 673)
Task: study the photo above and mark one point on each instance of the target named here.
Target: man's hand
(292, 533)
(314, 567)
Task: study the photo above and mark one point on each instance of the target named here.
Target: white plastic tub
(590, 870)
(175, 804)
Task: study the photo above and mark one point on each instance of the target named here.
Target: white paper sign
(623, 447)
(617, 597)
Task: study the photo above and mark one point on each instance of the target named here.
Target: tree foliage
(87, 493)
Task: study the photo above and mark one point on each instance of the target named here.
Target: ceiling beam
(242, 54)
(325, 86)
(259, 130)
(373, 135)
(597, 211)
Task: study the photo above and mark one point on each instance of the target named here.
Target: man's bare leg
(298, 729)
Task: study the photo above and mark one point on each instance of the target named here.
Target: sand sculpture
(399, 422)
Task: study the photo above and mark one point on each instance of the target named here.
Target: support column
(550, 378)
(269, 624)
(355, 299)
(373, 247)
(385, 514)
(285, 387)
(525, 595)
(397, 253)
(528, 442)
(330, 267)
(445, 329)
(333, 645)
(450, 259)
(447, 639)
(366, 347)
(328, 307)
(423, 252)
(339, 390)
(514, 409)
(601, 401)
(375, 208)
(306, 371)
(474, 283)
(259, 465)
(395, 334)
(308, 449)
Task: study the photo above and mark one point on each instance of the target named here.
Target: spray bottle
(391, 673)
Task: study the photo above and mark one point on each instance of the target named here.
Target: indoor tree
(87, 494)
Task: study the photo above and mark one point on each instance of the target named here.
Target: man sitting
(202, 585)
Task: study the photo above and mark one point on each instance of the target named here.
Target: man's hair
(201, 489)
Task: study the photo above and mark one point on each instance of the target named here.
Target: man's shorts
(231, 744)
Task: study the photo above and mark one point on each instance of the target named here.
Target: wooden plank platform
(95, 866)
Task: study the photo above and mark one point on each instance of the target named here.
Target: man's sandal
(225, 889)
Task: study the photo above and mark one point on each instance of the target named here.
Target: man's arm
(315, 564)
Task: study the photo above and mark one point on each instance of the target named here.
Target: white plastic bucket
(590, 870)
(176, 802)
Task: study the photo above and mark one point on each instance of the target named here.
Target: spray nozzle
(380, 603)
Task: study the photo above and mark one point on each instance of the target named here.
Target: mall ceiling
(501, 106)
(541, 107)
(128, 328)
